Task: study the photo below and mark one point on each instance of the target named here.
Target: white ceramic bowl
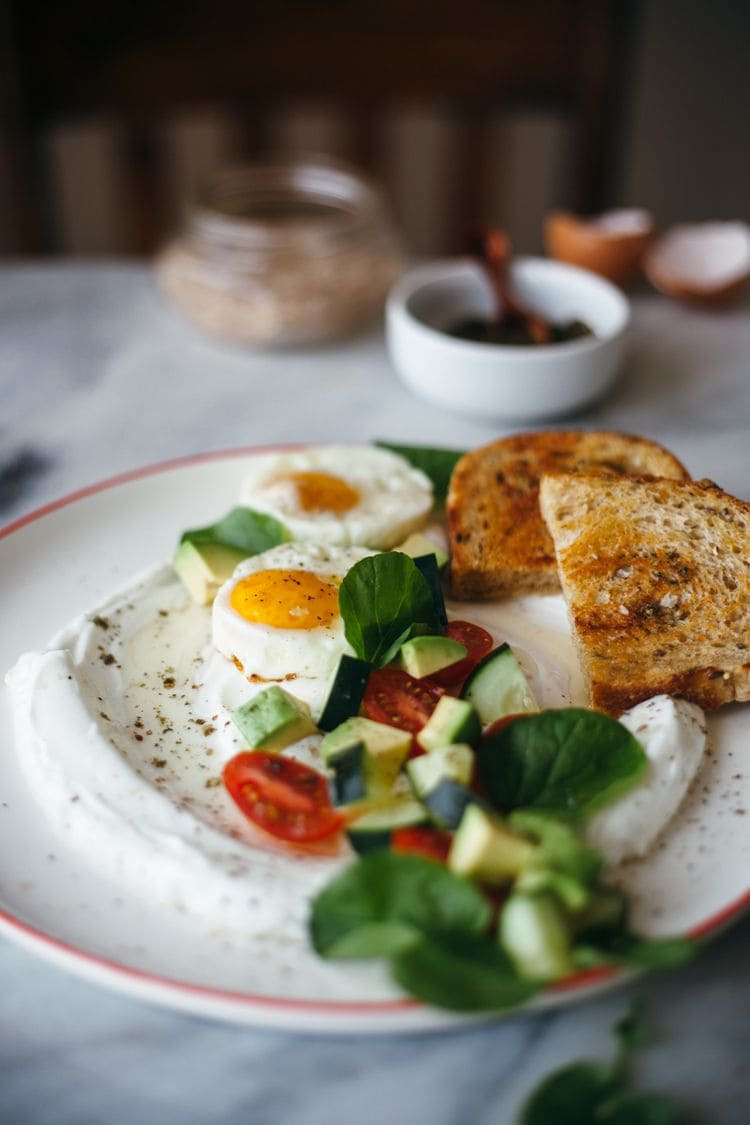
(494, 381)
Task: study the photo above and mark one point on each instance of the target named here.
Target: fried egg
(277, 617)
(341, 494)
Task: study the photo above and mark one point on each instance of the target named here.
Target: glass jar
(286, 252)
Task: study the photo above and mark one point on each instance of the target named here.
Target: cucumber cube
(426, 771)
(534, 933)
(498, 687)
(388, 747)
(347, 690)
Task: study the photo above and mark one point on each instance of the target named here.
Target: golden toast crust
(499, 544)
(656, 579)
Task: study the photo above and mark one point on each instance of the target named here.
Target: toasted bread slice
(656, 579)
(499, 544)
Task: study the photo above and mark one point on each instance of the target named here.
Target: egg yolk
(323, 492)
(286, 599)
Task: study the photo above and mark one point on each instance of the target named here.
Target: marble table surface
(98, 376)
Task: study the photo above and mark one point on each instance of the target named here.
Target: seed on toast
(499, 544)
(656, 579)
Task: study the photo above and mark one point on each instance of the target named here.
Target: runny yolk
(323, 492)
(286, 599)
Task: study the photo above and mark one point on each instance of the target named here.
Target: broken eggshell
(611, 244)
(700, 262)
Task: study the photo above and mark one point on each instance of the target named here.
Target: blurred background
(466, 110)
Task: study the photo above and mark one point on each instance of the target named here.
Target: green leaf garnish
(384, 599)
(386, 902)
(437, 464)
(619, 947)
(242, 528)
(463, 973)
(568, 760)
(589, 1093)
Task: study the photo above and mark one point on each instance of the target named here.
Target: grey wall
(686, 154)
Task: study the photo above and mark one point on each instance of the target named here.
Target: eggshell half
(611, 244)
(700, 262)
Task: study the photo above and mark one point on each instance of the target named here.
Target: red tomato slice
(432, 843)
(282, 796)
(478, 643)
(394, 697)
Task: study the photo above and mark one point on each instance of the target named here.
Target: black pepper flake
(159, 763)
(107, 658)
(100, 622)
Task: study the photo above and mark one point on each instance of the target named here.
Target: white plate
(62, 560)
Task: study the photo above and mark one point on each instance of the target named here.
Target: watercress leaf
(380, 904)
(569, 760)
(632, 1107)
(648, 953)
(618, 947)
(572, 1095)
(561, 846)
(631, 1032)
(242, 528)
(590, 1093)
(381, 598)
(437, 464)
(464, 973)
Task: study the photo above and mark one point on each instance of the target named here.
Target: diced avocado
(418, 544)
(428, 770)
(534, 933)
(485, 849)
(273, 719)
(453, 720)
(498, 686)
(421, 656)
(204, 567)
(347, 690)
(387, 746)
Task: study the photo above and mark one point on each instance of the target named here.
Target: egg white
(266, 652)
(395, 499)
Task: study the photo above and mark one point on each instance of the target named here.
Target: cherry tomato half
(422, 839)
(478, 643)
(394, 697)
(282, 796)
